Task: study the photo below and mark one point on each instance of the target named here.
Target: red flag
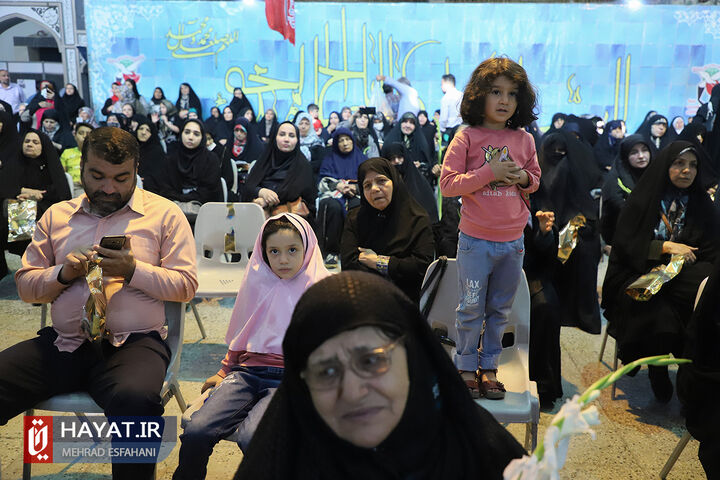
(280, 16)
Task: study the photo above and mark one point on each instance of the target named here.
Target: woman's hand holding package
(680, 249)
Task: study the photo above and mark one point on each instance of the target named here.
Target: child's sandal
(472, 386)
(492, 390)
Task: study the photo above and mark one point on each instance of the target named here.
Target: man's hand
(546, 221)
(380, 78)
(75, 264)
(117, 263)
(368, 258)
(436, 169)
(211, 382)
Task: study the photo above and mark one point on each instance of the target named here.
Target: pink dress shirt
(164, 250)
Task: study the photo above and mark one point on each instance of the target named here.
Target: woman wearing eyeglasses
(368, 392)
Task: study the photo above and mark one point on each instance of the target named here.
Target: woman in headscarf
(540, 266)
(429, 129)
(418, 420)
(224, 130)
(329, 129)
(364, 135)
(698, 383)
(9, 148)
(213, 121)
(266, 124)
(48, 98)
(656, 130)
(608, 145)
(569, 174)
(708, 112)
(668, 213)
(310, 143)
(193, 172)
(240, 153)
(381, 127)
(73, 102)
(87, 115)
(282, 174)
(41, 176)
(151, 167)
(249, 114)
(140, 105)
(558, 120)
(417, 185)
(696, 134)
(338, 190)
(636, 154)
(113, 100)
(158, 99)
(56, 130)
(240, 102)
(390, 234)
(187, 99)
(408, 133)
(677, 124)
(645, 123)
(583, 128)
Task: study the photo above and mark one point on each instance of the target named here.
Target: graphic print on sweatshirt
(490, 152)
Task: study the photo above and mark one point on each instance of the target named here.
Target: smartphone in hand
(113, 242)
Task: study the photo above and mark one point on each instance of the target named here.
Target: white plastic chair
(223, 184)
(71, 184)
(521, 403)
(81, 403)
(682, 443)
(217, 278)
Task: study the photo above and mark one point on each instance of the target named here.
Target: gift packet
(93, 322)
(568, 237)
(649, 284)
(21, 219)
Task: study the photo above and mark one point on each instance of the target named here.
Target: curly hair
(472, 108)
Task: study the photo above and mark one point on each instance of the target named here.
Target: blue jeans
(488, 276)
(224, 410)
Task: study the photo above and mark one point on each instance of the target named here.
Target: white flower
(555, 442)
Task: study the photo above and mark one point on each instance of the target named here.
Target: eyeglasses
(328, 375)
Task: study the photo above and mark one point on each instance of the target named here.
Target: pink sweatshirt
(496, 215)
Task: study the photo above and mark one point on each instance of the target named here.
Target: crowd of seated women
(367, 188)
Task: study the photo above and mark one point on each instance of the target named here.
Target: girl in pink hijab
(285, 262)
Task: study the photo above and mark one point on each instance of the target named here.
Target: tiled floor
(633, 441)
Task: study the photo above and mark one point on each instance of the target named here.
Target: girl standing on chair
(285, 262)
(492, 164)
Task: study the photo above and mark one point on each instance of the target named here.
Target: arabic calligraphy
(199, 40)
(574, 92)
(324, 74)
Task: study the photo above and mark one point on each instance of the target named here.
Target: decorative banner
(602, 59)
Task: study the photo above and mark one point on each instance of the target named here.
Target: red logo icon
(38, 435)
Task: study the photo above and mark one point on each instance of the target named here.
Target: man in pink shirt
(124, 371)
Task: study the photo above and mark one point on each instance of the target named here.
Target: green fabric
(70, 160)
